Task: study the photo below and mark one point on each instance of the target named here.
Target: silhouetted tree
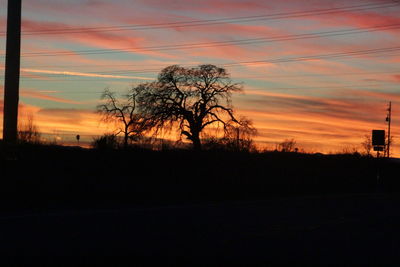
(125, 113)
(106, 141)
(193, 98)
(367, 145)
(288, 145)
(239, 136)
(349, 150)
(28, 131)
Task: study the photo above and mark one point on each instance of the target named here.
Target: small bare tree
(366, 145)
(288, 145)
(28, 132)
(124, 113)
(239, 136)
(106, 141)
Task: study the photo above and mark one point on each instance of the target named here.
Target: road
(347, 229)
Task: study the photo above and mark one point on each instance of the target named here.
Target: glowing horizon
(323, 74)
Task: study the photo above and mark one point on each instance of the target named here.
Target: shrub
(106, 141)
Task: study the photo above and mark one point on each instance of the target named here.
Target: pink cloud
(95, 39)
(207, 33)
(208, 6)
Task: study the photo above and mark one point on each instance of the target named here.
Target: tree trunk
(196, 141)
(126, 140)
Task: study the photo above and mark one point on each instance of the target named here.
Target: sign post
(378, 141)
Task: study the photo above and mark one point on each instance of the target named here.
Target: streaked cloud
(83, 74)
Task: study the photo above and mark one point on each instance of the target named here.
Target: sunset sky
(319, 71)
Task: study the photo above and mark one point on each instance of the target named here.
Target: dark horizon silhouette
(186, 207)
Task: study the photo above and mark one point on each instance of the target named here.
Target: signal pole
(389, 120)
(12, 72)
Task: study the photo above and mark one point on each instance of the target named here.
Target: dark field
(361, 229)
(69, 205)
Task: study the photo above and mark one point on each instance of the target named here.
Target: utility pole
(12, 71)
(389, 120)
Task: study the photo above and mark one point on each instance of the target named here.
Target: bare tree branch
(194, 98)
(131, 123)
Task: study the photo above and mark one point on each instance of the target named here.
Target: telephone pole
(389, 120)
(12, 72)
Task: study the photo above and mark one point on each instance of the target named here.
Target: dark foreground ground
(347, 229)
(62, 205)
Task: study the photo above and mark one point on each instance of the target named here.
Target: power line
(371, 52)
(100, 79)
(99, 65)
(266, 87)
(279, 60)
(194, 23)
(324, 75)
(220, 43)
(321, 56)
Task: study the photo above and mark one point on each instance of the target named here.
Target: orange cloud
(318, 123)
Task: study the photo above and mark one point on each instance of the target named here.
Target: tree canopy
(192, 98)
